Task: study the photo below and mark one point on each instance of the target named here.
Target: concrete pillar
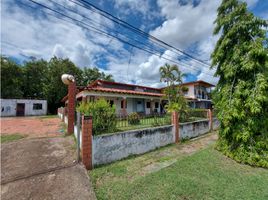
(63, 114)
(71, 107)
(151, 106)
(124, 110)
(87, 141)
(175, 122)
(210, 117)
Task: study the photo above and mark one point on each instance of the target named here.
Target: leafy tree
(54, 89)
(11, 79)
(172, 76)
(93, 74)
(34, 79)
(241, 95)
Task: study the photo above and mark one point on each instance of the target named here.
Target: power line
(127, 25)
(94, 29)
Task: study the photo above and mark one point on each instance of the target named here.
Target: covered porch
(126, 104)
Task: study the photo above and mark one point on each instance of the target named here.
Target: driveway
(32, 126)
(43, 168)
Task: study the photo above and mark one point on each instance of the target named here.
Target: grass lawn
(10, 138)
(206, 174)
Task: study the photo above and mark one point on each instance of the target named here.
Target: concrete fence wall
(193, 129)
(111, 147)
(115, 146)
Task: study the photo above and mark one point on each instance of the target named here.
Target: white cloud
(44, 37)
(186, 24)
(28, 33)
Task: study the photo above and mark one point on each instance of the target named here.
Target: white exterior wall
(9, 106)
(190, 91)
(148, 110)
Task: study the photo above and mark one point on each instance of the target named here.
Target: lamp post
(70, 81)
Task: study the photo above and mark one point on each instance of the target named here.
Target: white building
(23, 107)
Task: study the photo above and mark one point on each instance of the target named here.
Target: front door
(20, 109)
(139, 106)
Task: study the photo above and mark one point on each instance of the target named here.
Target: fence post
(175, 122)
(78, 124)
(210, 116)
(87, 141)
(71, 107)
(63, 114)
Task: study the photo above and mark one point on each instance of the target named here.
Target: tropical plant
(172, 76)
(241, 95)
(103, 115)
(133, 118)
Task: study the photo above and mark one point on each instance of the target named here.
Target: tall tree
(241, 95)
(11, 79)
(35, 75)
(93, 74)
(54, 89)
(172, 76)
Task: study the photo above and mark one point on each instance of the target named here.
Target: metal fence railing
(136, 121)
(193, 115)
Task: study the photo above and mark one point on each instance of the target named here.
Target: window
(91, 99)
(122, 103)
(37, 106)
(156, 105)
(148, 105)
(111, 102)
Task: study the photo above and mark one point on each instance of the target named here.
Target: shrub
(133, 118)
(103, 115)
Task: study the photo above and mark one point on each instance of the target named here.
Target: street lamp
(69, 80)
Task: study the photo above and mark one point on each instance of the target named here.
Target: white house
(23, 107)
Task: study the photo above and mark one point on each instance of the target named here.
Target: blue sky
(186, 24)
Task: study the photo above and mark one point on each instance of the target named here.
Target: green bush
(133, 118)
(103, 115)
(253, 155)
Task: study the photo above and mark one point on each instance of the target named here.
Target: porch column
(84, 99)
(124, 110)
(151, 106)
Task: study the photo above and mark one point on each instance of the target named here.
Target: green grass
(48, 116)
(10, 138)
(206, 174)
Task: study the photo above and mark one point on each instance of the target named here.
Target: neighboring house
(129, 98)
(23, 107)
(198, 93)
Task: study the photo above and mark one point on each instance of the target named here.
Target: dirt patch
(156, 160)
(31, 126)
(170, 155)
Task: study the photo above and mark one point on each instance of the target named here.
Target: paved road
(43, 168)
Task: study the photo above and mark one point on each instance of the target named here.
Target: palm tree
(171, 75)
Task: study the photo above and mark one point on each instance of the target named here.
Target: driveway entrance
(42, 167)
